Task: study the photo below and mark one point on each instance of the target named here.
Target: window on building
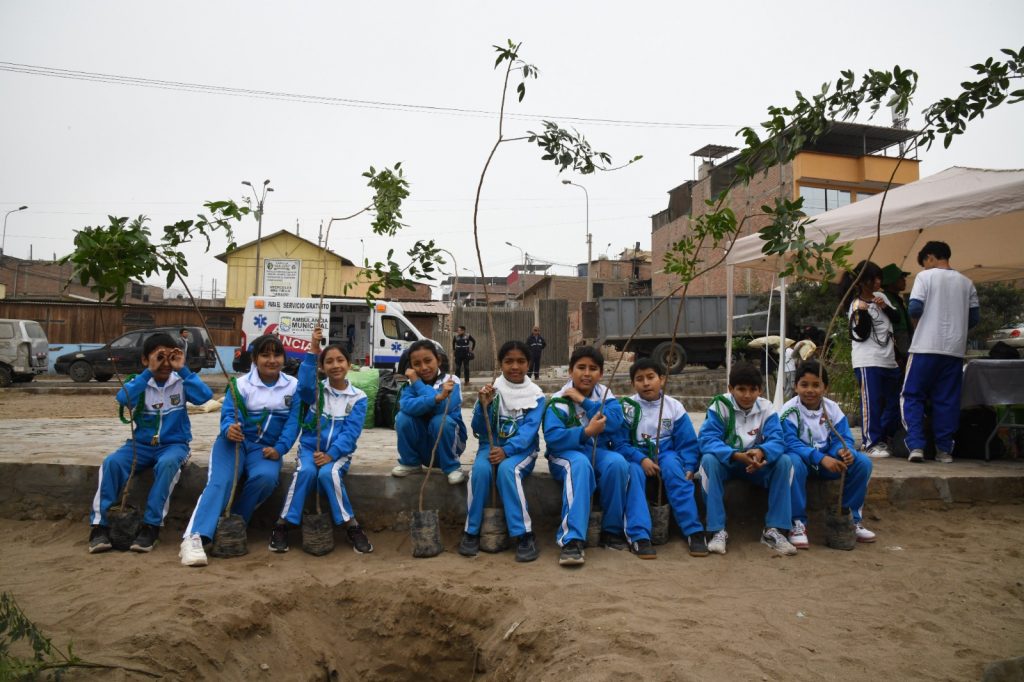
(136, 320)
(818, 200)
(598, 289)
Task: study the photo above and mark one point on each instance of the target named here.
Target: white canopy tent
(978, 212)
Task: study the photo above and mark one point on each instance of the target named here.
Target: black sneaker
(360, 543)
(643, 549)
(526, 550)
(572, 554)
(99, 540)
(146, 538)
(612, 541)
(279, 538)
(470, 545)
(698, 544)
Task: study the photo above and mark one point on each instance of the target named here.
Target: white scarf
(522, 396)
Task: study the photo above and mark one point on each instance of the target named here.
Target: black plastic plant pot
(840, 532)
(317, 534)
(493, 531)
(594, 528)
(425, 531)
(124, 526)
(230, 538)
(660, 514)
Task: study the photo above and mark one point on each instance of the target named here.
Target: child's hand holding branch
(595, 425)
(486, 395)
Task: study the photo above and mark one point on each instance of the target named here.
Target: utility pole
(260, 198)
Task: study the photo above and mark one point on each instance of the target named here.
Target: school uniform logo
(157, 406)
(348, 409)
(176, 400)
(287, 401)
(753, 432)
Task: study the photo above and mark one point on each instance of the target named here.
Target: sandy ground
(937, 597)
(15, 405)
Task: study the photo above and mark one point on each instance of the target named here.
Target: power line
(182, 86)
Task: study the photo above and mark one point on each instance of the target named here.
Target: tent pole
(729, 313)
(780, 373)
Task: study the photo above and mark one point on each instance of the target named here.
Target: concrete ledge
(49, 491)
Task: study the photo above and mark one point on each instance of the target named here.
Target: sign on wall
(281, 276)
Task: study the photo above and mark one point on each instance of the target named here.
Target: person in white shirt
(944, 305)
(871, 316)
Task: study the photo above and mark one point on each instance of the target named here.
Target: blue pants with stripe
(511, 472)
(777, 477)
(879, 403)
(939, 378)
(416, 438)
(329, 482)
(261, 478)
(573, 470)
(680, 492)
(166, 462)
(855, 488)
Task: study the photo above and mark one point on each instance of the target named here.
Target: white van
(375, 334)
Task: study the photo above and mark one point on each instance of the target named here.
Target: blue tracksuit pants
(576, 474)
(776, 477)
(166, 462)
(330, 482)
(416, 438)
(636, 520)
(511, 472)
(261, 478)
(855, 488)
(879, 403)
(939, 378)
(680, 492)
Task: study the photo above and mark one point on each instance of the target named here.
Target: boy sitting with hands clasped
(742, 438)
(810, 422)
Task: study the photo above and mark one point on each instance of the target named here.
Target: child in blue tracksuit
(259, 419)
(156, 399)
(514, 405)
(432, 401)
(676, 455)
(813, 447)
(741, 438)
(584, 413)
(332, 425)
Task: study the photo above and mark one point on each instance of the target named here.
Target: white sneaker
(798, 536)
(403, 470)
(878, 451)
(864, 535)
(456, 477)
(191, 551)
(771, 537)
(916, 455)
(717, 544)
(943, 457)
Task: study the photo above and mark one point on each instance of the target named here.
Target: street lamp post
(472, 272)
(590, 292)
(522, 272)
(3, 243)
(260, 198)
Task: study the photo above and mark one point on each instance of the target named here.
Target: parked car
(1011, 335)
(126, 353)
(24, 351)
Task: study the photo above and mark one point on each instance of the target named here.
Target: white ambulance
(375, 334)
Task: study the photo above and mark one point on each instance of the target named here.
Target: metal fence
(510, 324)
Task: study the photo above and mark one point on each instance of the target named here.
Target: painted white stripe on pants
(527, 522)
(209, 475)
(865, 409)
(97, 514)
(906, 375)
(170, 491)
(569, 495)
(291, 488)
(338, 493)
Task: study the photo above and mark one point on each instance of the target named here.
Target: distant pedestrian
(185, 341)
(464, 345)
(945, 305)
(536, 344)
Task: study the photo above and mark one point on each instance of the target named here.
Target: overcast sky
(77, 150)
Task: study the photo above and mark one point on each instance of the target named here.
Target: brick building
(47, 279)
(847, 163)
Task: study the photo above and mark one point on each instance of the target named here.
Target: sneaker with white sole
(916, 455)
(864, 535)
(798, 536)
(456, 477)
(943, 457)
(191, 551)
(773, 538)
(878, 451)
(718, 542)
(403, 470)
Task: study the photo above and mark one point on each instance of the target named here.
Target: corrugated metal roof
(428, 307)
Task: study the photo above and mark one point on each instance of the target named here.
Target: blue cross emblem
(396, 346)
(260, 321)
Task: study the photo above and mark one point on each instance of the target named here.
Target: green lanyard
(139, 416)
